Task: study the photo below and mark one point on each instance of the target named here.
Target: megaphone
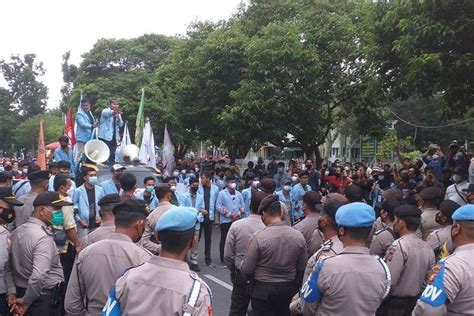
(96, 151)
(130, 153)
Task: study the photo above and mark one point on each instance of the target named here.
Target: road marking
(220, 282)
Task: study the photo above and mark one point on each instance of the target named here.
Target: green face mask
(58, 218)
(150, 189)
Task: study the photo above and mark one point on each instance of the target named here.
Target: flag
(41, 157)
(140, 123)
(69, 127)
(126, 136)
(147, 149)
(168, 154)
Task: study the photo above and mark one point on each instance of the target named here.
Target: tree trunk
(180, 151)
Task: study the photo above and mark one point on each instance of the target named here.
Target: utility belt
(406, 303)
(57, 293)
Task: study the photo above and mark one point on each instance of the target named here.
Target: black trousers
(240, 295)
(112, 144)
(224, 230)
(397, 306)
(4, 310)
(206, 227)
(67, 261)
(272, 299)
(42, 305)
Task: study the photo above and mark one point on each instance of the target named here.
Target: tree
(9, 119)
(70, 73)
(29, 95)
(425, 49)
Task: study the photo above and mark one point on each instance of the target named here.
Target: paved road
(217, 278)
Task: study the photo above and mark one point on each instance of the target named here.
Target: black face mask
(309, 166)
(8, 215)
(194, 190)
(405, 178)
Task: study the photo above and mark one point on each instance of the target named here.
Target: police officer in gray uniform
(353, 282)
(384, 238)
(275, 260)
(440, 240)
(164, 285)
(37, 270)
(409, 259)
(311, 208)
(332, 246)
(7, 216)
(431, 199)
(236, 244)
(107, 224)
(98, 265)
(450, 289)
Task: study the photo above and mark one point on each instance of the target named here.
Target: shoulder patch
(310, 291)
(434, 294)
(390, 252)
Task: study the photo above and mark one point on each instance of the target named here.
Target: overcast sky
(51, 27)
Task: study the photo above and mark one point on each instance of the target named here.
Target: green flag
(140, 123)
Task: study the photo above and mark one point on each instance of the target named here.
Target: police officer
(107, 220)
(332, 246)
(431, 198)
(164, 285)
(235, 246)
(409, 259)
(311, 209)
(451, 285)
(37, 270)
(7, 216)
(97, 266)
(276, 257)
(384, 238)
(440, 240)
(353, 282)
(165, 195)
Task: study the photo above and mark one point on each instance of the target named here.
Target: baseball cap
(117, 167)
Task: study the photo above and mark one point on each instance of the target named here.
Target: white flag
(126, 136)
(168, 153)
(147, 149)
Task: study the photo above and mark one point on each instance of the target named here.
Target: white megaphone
(96, 151)
(130, 153)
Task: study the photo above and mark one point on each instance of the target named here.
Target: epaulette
(327, 245)
(378, 232)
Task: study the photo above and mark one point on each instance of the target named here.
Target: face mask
(281, 169)
(326, 173)
(308, 167)
(294, 179)
(183, 171)
(233, 186)
(347, 168)
(173, 188)
(8, 215)
(287, 187)
(435, 157)
(150, 188)
(255, 183)
(457, 178)
(92, 180)
(381, 178)
(175, 173)
(194, 189)
(196, 169)
(25, 171)
(405, 178)
(57, 218)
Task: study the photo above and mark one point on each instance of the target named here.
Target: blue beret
(355, 215)
(177, 218)
(464, 213)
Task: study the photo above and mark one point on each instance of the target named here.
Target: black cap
(430, 193)
(267, 202)
(459, 171)
(407, 210)
(109, 199)
(7, 195)
(133, 206)
(331, 207)
(64, 163)
(193, 180)
(448, 207)
(389, 205)
(268, 185)
(354, 192)
(470, 188)
(50, 199)
(41, 175)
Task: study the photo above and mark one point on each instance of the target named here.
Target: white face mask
(435, 156)
(175, 173)
(173, 188)
(294, 178)
(233, 186)
(196, 169)
(183, 171)
(457, 178)
(287, 187)
(326, 173)
(255, 183)
(25, 171)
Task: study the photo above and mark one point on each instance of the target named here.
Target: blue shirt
(247, 196)
(297, 193)
(60, 154)
(106, 125)
(153, 200)
(197, 202)
(233, 203)
(109, 187)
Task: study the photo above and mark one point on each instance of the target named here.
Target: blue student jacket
(106, 125)
(225, 200)
(83, 126)
(297, 193)
(212, 199)
(81, 202)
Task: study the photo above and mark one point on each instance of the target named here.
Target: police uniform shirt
(409, 259)
(275, 253)
(35, 259)
(100, 233)
(68, 224)
(428, 222)
(351, 283)
(238, 239)
(450, 287)
(381, 241)
(307, 226)
(438, 239)
(6, 276)
(23, 213)
(97, 268)
(161, 286)
(148, 240)
(316, 242)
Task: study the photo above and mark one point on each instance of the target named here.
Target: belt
(257, 282)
